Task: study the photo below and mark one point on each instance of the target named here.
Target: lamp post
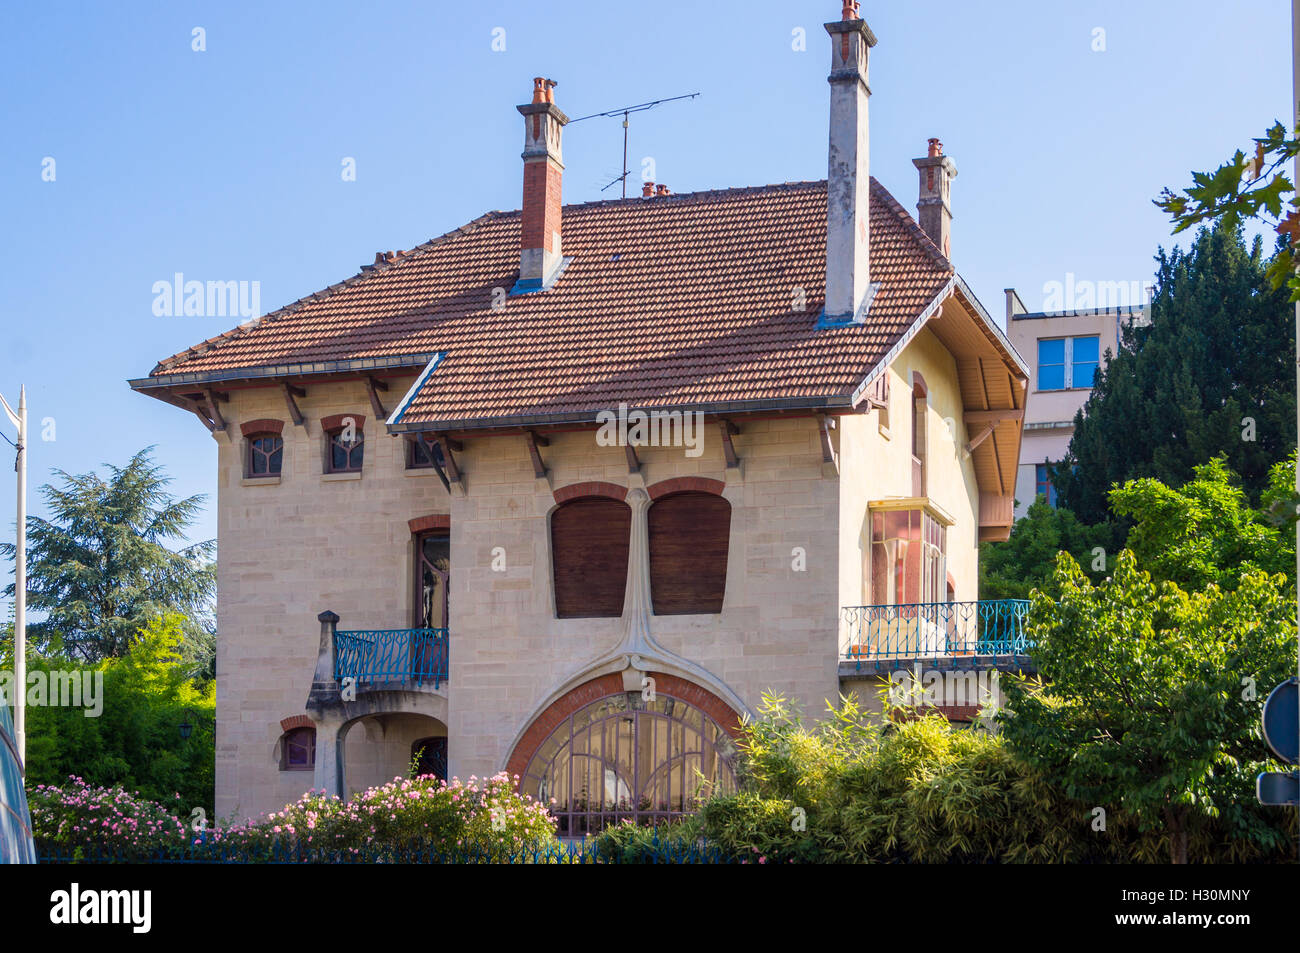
(19, 420)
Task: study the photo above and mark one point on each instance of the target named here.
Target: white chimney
(848, 179)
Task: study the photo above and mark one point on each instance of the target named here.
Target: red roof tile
(678, 300)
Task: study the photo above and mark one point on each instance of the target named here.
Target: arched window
(589, 553)
(432, 572)
(623, 758)
(298, 749)
(920, 410)
(265, 455)
(689, 533)
(345, 443)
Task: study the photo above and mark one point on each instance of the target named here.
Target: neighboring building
(421, 458)
(1066, 349)
(16, 845)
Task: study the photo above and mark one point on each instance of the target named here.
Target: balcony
(386, 659)
(985, 634)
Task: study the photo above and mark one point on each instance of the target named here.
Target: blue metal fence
(392, 656)
(935, 630)
(416, 852)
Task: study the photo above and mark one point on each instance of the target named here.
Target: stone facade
(310, 541)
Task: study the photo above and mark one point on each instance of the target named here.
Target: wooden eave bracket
(372, 388)
(212, 398)
(536, 440)
(830, 466)
(990, 419)
(290, 392)
(633, 463)
(729, 430)
(448, 445)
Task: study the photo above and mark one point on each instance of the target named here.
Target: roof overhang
(994, 383)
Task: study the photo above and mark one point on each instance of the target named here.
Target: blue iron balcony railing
(387, 656)
(935, 630)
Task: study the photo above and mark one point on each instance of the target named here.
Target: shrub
(483, 818)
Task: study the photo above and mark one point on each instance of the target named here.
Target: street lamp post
(19, 420)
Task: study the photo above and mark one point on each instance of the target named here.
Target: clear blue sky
(225, 164)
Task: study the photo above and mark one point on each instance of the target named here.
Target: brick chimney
(848, 179)
(933, 211)
(540, 255)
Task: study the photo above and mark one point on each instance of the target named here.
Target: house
(1068, 348)
(564, 491)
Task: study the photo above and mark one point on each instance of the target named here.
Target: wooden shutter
(689, 533)
(589, 548)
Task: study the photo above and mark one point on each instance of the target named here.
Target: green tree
(1213, 373)
(99, 570)
(135, 738)
(1151, 683)
(1013, 569)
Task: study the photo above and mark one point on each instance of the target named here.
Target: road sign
(1282, 721)
(1278, 788)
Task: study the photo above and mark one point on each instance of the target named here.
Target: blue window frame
(1068, 363)
(1043, 484)
(1051, 364)
(1083, 362)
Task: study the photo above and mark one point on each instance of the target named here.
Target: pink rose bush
(483, 817)
(77, 815)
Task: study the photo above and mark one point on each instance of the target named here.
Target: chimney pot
(647, 190)
(850, 11)
(662, 189)
(936, 148)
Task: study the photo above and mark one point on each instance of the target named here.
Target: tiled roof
(686, 299)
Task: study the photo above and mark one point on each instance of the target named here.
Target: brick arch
(564, 706)
(590, 488)
(262, 425)
(422, 524)
(336, 421)
(296, 721)
(686, 484)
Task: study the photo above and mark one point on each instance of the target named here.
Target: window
(346, 448)
(298, 750)
(265, 455)
(689, 535)
(920, 410)
(589, 551)
(432, 571)
(1043, 483)
(1083, 362)
(1051, 364)
(1068, 363)
(621, 758)
(423, 452)
(908, 558)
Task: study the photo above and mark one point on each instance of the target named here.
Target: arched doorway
(627, 757)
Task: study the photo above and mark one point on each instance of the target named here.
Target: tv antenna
(626, 111)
